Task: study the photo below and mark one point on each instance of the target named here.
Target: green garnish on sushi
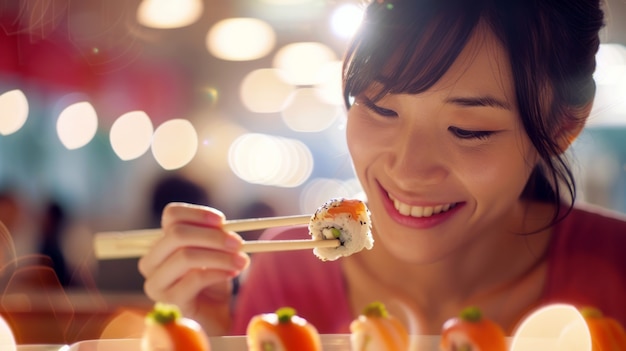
(284, 314)
(375, 309)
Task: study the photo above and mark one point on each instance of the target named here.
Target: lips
(420, 211)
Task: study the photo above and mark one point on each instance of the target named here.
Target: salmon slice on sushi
(167, 330)
(283, 330)
(472, 331)
(377, 330)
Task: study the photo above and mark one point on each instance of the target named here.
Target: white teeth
(417, 211)
(420, 211)
(404, 209)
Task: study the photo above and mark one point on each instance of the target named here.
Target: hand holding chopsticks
(136, 243)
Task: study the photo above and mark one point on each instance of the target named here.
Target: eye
(470, 134)
(376, 109)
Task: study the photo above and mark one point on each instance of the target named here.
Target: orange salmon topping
(353, 207)
(483, 332)
(294, 335)
(391, 331)
(186, 336)
(606, 332)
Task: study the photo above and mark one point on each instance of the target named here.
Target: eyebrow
(479, 101)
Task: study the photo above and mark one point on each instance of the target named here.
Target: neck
(482, 274)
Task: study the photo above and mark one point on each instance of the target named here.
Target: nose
(418, 158)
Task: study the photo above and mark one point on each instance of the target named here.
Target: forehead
(483, 67)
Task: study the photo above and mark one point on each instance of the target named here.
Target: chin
(411, 251)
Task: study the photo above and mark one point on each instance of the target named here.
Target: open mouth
(420, 211)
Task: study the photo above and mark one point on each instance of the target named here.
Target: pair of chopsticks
(136, 243)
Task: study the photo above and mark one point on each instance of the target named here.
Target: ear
(568, 134)
(570, 130)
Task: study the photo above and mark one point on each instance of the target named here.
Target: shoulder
(591, 217)
(591, 232)
(588, 216)
(587, 259)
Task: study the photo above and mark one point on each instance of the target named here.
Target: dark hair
(408, 45)
(175, 188)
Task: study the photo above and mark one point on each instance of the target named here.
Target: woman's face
(447, 166)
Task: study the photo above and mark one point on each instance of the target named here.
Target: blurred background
(109, 109)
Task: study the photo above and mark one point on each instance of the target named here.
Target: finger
(179, 236)
(190, 213)
(188, 260)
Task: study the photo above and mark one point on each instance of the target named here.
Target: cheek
(503, 174)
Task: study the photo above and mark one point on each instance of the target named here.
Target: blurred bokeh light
(240, 39)
(169, 14)
(302, 62)
(269, 160)
(557, 327)
(265, 91)
(14, 107)
(77, 125)
(131, 135)
(609, 108)
(174, 143)
(7, 340)
(346, 19)
(329, 85)
(307, 112)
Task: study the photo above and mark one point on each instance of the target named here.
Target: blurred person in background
(174, 188)
(53, 225)
(18, 218)
(9, 215)
(167, 188)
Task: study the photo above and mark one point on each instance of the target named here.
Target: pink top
(586, 266)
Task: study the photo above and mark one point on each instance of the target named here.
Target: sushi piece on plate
(472, 332)
(377, 330)
(283, 330)
(167, 330)
(345, 219)
(606, 332)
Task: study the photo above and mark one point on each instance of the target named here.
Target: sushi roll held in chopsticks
(283, 330)
(345, 219)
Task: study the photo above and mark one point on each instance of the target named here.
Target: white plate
(41, 347)
(330, 342)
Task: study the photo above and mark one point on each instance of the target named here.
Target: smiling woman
(457, 133)
(455, 145)
(461, 115)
